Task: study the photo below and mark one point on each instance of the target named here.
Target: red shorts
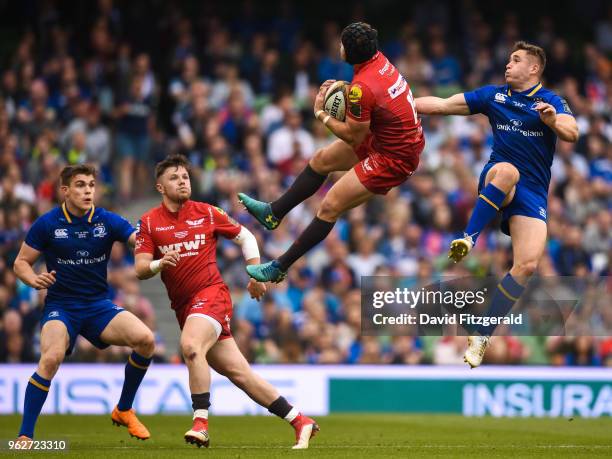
(213, 301)
(378, 172)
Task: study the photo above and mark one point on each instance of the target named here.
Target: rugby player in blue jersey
(76, 240)
(526, 120)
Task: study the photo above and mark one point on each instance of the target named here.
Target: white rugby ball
(335, 100)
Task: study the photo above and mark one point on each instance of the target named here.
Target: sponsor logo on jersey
(197, 222)
(566, 106)
(82, 234)
(515, 128)
(517, 123)
(355, 110)
(367, 167)
(518, 104)
(398, 88)
(99, 230)
(535, 104)
(181, 234)
(198, 304)
(542, 211)
(185, 248)
(61, 233)
(138, 227)
(81, 261)
(53, 314)
(164, 228)
(385, 67)
(83, 253)
(500, 98)
(355, 94)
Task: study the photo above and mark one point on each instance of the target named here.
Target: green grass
(351, 436)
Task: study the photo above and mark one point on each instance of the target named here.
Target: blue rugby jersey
(78, 249)
(519, 136)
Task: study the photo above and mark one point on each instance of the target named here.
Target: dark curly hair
(360, 42)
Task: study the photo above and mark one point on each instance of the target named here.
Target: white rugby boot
(477, 345)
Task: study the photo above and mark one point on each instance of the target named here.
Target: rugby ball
(335, 100)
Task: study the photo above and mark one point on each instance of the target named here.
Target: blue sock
(489, 202)
(507, 293)
(135, 369)
(35, 396)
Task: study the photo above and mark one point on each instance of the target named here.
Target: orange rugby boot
(128, 419)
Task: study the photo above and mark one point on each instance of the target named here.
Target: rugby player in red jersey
(179, 239)
(379, 145)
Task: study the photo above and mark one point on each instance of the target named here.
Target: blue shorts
(133, 146)
(87, 320)
(527, 201)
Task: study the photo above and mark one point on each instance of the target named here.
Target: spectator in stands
(134, 117)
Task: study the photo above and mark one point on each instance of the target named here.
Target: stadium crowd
(236, 98)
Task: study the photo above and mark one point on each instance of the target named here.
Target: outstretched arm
(454, 105)
(250, 250)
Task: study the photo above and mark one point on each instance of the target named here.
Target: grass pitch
(354, 435)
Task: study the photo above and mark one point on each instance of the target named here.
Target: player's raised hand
(256, 289)
(44, 280)
(169, 260)
(547, 112)
(326, 84)
(320, 99)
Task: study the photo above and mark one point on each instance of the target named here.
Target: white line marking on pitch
(385, 446)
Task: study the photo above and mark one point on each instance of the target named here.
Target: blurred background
(230, 85)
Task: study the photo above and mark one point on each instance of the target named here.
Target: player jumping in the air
(379, 145)
(76, 240)
(526, 120)
(179, 238)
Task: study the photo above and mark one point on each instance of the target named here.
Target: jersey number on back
(398, 88)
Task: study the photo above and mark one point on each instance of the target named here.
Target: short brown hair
(532, 50)
(175, 160)
(69, 172)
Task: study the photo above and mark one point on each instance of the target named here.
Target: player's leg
(125, 329)
(54, 340)
(338, 156)
(199, 334)
(226, 359)
(348, 192)
(497, 192)
(528, 244)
